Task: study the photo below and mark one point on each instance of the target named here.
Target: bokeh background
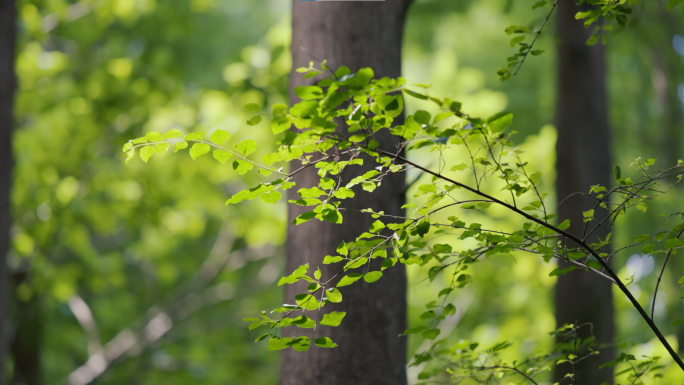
(145, 260)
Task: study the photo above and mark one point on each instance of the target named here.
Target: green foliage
(365, 105)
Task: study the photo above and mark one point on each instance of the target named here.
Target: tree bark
(357, 35)
(7, 86)
(583, 159)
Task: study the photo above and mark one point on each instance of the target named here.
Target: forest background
(104, 253)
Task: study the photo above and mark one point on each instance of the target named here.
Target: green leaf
(647, 248)
(161, 148)
(431, 334)
(129, 155)
(441, 249)
(246, 147)
(326, 183)
(422, 117)
(313, 287)
(355, 263)
(306, 202)
(564, 225)
(622, 358)
(222, 155)
(376, 227)
(198, 149)
(317, 273)
(304, 218)
(333, 318)
(463, 280)
(279, 125)
(459, 167)
(309, 92)
(325, 342)
(252, 193)
(171, 134)
(672, 243)
(372, 276)
(332, 216)
(139, 140)
(364, 75)
(425, 189)
(269, 159)
(334, 295)
(343, 249)
(539, 4)
(313, 192)
(517, 29)
(252, 108)
(423, 227)
(534, 178)
(254, 120)
(279, 109)
(254, 325)
(343, 193)
(393, 105)
(617, 172)
(154, 137)
(300, 272)
(517, 40)
(146, 153)
(194, 136)
(441, 116)
(300, 344)
(415, 94)
(273, 197)
(642, 206)
(219, 137)
(500, 121)
(262, 337)
(180, 146)
(428, 314)
(349, 279)
(559, 272)
(332, 259)
(242, 166)
(277, 343)
(342, 71)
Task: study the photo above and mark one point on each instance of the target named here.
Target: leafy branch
(336, 126)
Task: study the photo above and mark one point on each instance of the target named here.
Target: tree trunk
(7, 85)
(357, 35)
(27, 334)
(583, 159)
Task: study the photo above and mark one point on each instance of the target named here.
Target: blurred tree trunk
(583, 159)
(666, 86)
(357, 35)
(666, 80)
(26, 341)
(7, 85)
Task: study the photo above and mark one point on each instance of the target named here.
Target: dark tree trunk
(7, 85)
(27, 334)
(357, 35)
(583, 159)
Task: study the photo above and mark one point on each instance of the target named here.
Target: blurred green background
(145, 260)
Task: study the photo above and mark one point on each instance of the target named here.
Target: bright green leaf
(333, 318)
